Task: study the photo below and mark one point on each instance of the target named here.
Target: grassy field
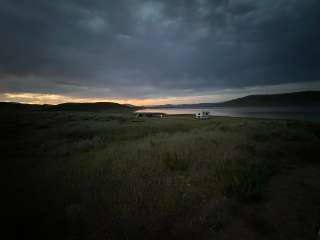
(100, 175)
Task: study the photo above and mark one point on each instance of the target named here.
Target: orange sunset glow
(38, 98)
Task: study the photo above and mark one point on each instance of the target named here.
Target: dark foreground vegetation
(100, 175)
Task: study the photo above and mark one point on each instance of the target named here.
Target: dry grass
(112, 176)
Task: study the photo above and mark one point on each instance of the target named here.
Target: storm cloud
(143, 49)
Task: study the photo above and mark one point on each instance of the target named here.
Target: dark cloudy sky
(149, 52)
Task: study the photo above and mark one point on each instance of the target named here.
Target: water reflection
(297, 113)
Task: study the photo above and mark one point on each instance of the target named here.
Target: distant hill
(306, 98)
(99, 106)
(19, 106)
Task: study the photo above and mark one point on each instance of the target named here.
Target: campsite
(160, 119)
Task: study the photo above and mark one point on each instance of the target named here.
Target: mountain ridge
(303, 98)
(299, 99)
(97, 106)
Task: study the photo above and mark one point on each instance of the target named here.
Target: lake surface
(295, 113)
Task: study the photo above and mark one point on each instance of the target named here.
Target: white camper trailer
(202, 115)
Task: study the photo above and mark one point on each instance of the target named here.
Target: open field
(100, 175)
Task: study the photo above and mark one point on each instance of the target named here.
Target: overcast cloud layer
(143, 49)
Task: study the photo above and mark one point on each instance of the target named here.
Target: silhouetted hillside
(310, 98)
(307, 98)
(19, 106)
(100, 106)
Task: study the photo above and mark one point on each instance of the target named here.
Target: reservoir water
(294, 113)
